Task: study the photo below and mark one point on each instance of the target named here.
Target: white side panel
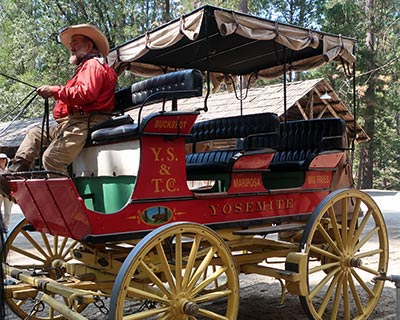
(108, 160)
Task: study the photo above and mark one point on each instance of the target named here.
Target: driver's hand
(45, 91)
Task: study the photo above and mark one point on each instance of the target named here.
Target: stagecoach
(155, 219)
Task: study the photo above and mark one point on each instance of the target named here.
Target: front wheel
(347, 245)
(35, 252)
(172, 274)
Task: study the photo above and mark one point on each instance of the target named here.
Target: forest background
(30, 51)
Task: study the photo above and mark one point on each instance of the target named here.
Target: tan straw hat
(89, 31)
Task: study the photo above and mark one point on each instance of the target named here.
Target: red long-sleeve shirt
(90, 89)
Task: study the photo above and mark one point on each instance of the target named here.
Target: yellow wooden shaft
(61, 308)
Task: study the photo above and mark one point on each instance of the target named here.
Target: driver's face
(80, 47)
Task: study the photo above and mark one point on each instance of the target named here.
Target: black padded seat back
(316, 134)
(211, 161)
(243, 128)
(235, 127)
(174, 85)
(302, 140)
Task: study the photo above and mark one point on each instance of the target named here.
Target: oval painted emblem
(156, 215)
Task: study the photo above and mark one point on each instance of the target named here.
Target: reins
(21, 111)
(45, 122)
(26, 105)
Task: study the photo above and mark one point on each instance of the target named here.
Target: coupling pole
(396, 280)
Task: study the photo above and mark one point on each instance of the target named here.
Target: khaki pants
(7, 211)
(66, 140)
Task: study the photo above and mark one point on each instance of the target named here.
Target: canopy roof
(227, 42)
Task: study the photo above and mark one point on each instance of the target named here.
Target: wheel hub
(182, 306)
(355, 262)
(350, 262)
(191, 309)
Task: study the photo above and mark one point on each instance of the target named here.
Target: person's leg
(7, 212)
(29, 150)
(68, 142)
(3, 226)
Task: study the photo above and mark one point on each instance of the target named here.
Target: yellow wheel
(41, 254)
(164, 277)
(347, 246)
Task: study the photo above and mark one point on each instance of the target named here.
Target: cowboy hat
(88, 31)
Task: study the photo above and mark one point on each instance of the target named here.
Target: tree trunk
(166, 12)
(367, 151)
(243, 6)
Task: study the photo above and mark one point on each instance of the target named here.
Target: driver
(84, 101)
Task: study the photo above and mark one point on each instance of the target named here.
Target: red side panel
(326, 161)
(162, 172)
(52, 206)
(253, 161)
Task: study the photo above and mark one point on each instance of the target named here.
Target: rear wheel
(175, 273)
(347, 245)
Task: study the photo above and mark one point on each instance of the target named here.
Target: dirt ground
(260, 296)
(260, 300)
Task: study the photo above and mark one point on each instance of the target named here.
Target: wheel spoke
(55, 245)
(62, 245)
(212, 296)
(191, 260)
(146, 314)
(328, 239)
(35, 244)
(153, 277)
(212, 278)
(67, 251)
(369, 270)
(166, 268)
(322, 267)
(354, 219)
(212, 315)
(356, 296)
(323, 252)
(202, 267)
(346, 303)
(336, 300)
(335, 229)
(27, 254)
(368, 253)
(328, 294)
(362, 283)
(322, 283)
(361, 227)
(366, 238)
(46, 243)
(145, 295)
(344, 222)
(178, 261)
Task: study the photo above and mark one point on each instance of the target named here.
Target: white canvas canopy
(229, 43)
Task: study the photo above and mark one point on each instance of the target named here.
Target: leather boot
(16, 165)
